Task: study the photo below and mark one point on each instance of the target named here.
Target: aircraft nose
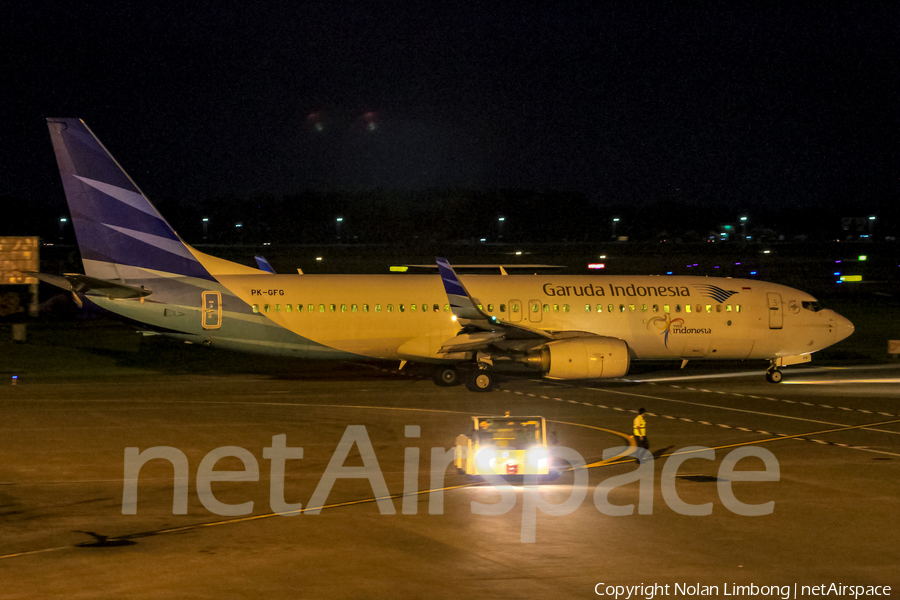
(843, 328)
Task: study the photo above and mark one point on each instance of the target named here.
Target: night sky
(725, 108)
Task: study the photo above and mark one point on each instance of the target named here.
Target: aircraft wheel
(479, 381)
(774, 376)
(446, 376)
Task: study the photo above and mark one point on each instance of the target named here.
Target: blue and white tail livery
(564, 327)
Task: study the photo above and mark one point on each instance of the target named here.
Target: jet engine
(581, 358)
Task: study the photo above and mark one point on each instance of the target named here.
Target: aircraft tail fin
(115, 224)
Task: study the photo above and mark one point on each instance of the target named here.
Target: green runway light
(862, 257)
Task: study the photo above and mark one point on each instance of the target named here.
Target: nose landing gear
(774, 375)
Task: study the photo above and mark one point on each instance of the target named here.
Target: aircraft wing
(480, 330)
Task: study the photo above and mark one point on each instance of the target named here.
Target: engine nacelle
(582, 358)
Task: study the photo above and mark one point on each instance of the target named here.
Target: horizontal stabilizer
(91, 286)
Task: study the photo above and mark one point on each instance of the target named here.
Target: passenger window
(718, 308)
(277, 308)
(365, 308)
(546, 308)
(535, 308)
(514, 307)
(412, 307)
(353, 308)
(631, 307)
(599, 308)
(687, 308)
(699, 308)
(377, 308)
(502, 308)
(737, 308)
(266, 308)
(708, 308)
(310, 308)
(343, 308)
(390, 308)
(332, 307)
(479, 307)
(611, 308)
(587, 308)
(321, 308)
(565, 308)
(446, 308)
(256, 308)
(288, 307)
(556, 308)
(666, 308)
(424, 308)
(402, 308)
(490, 308)
(643, 308)
(727, 308)
(656, 308)
(437, 308)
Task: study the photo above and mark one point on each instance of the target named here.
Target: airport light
(63, 220)
(872, 218)
(238, 225)
(743, 218)
(862, 257)
(319, 258)
(500, 222)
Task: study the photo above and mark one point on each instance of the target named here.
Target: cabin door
(212, 310)
(776, 315)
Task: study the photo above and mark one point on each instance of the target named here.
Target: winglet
(461, 302)
(264, 265)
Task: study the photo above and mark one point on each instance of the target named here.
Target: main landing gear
(479, 381)
(446, 376)
(773, 375)
(476, 379)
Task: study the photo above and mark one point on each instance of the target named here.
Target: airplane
(469, 328)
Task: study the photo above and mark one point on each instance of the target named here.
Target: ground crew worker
(640, 430)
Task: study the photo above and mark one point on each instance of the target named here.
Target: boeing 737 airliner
(565, 327)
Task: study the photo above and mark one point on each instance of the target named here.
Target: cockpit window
(813, 306)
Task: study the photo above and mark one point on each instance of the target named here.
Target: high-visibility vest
(640, 426)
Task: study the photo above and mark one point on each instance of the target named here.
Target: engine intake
(581, 358)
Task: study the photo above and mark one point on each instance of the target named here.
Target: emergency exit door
(776, 314)
(212, 310)
(534, 311)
